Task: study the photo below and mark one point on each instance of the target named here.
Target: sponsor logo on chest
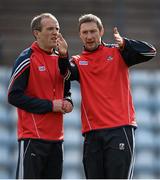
(41, 68)
(83, 62)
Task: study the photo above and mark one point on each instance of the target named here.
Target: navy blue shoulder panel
(22, 61)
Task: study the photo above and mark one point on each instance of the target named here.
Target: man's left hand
(118, 39)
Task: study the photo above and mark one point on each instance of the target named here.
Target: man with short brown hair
(107, 110)
(41, 96)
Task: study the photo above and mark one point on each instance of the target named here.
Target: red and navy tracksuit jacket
(35, 82)
(103, 75)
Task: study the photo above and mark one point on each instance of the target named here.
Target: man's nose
(55, 32)
(89, 36)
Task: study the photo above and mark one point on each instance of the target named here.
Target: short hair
(90, 18)
(36, 21)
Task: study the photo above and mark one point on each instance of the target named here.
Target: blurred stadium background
(138, 19)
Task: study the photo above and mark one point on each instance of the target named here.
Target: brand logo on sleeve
(33, 154)
(121, 146)
(41, 68)
(83, 62)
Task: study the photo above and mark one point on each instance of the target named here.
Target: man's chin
(91, 48)
(53, 46)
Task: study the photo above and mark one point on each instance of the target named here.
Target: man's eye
(85, 32)
(93, 31)
(50, 29)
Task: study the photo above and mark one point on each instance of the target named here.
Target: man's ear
(35, 33)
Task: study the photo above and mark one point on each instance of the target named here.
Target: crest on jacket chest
(109, 58)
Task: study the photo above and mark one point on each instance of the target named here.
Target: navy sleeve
(67, 93)
(68, 69)
(17, 87)
(136, 52)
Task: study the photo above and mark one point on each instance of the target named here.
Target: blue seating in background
(146, 97)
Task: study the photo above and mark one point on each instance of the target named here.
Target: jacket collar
(85, 51)
(36, 47)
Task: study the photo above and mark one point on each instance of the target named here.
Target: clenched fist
(63, 106)
(67, 106)
(57, 105)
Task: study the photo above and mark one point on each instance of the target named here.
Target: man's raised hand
(62, 46)
(118, 39)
